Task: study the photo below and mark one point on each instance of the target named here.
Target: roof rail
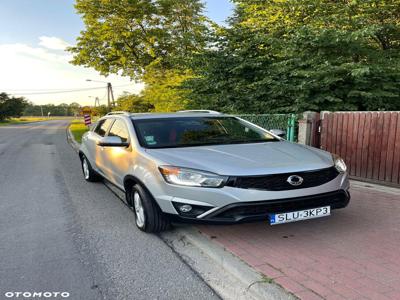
(200, 111)
(118, 113)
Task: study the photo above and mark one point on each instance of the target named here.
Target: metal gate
(286, 122)
(369, 142)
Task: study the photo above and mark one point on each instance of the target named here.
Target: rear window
(197, 131)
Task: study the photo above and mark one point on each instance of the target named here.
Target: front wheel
(88, 173)
(149, 217)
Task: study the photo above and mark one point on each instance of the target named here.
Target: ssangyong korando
(203, 166)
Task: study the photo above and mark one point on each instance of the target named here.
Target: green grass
(78, 128)
(22, 120)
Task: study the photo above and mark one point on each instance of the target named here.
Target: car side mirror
(112, 141)
(278, 132)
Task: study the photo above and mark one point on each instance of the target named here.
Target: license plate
(299, 215)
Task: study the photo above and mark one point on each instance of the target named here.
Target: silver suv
(203, 166)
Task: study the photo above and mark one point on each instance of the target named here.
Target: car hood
(246, 159)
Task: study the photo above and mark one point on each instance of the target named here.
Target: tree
(11, 107)
(62, 109)
(133, 103)
(32, 110)
(148, 40)
(100, 110)
(74, 108)
(128, 35)
(163, 89)
(285, 56)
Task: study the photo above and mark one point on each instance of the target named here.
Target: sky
(33, 36)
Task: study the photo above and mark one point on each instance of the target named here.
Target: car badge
(295, 180)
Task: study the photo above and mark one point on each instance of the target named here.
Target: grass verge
(78, 128)
(22, 120)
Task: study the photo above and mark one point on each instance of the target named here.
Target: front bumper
(241, 212)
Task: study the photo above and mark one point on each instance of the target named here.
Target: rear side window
(102, 127)
(119, 129)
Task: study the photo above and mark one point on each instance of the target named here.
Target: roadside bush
(11, 107)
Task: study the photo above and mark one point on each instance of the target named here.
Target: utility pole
(41, 109)
(110, 93)
(96, 102)
(108, 96)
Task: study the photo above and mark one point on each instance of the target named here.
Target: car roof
(173, 115)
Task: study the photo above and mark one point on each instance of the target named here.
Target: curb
(374, 187)
(213, 262)
(71, 140)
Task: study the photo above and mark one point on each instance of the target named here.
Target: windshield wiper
(251, 141)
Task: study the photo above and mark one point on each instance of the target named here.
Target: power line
(45, 90)
(54, 91)
(42, 90)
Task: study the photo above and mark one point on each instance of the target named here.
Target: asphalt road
(59, 233)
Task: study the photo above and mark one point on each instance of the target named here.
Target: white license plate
(299, 215)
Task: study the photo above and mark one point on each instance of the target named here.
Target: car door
(95, 151)
(118, 159)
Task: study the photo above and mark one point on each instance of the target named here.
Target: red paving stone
(353, 254)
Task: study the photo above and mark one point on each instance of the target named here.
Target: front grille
(278, 182)
(240, 211)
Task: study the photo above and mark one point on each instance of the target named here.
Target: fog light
(185, 208)
(190, 210)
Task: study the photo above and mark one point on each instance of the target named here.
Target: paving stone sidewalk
(353, 254)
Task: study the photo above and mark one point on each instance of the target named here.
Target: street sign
(88, 120)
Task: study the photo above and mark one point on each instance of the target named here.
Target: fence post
(291, 128)
(308, 129)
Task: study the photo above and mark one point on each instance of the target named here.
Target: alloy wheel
(139, 210)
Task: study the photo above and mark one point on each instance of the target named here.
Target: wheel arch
(81, 154)
(130, 181)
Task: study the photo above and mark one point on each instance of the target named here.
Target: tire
(88, 173)
(148, 216)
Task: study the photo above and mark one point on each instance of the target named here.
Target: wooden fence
(369, 142)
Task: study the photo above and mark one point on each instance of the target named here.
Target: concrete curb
(71, 140)
(248, 283)
(374, 187)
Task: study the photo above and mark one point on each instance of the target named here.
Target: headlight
(189, 177)
(339, 163)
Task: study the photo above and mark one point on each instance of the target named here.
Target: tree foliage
(133, 103)
(162, 93)
(275, 55)
(100, 110)
(126, 36)
(296, 55)
(148, 40)
(11, 107)
(163, 89)
(62, 109)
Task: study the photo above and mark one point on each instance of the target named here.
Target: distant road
(61, 234)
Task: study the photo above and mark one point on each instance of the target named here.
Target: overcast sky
(33, 37)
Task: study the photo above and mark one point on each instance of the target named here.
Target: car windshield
(197, 131)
